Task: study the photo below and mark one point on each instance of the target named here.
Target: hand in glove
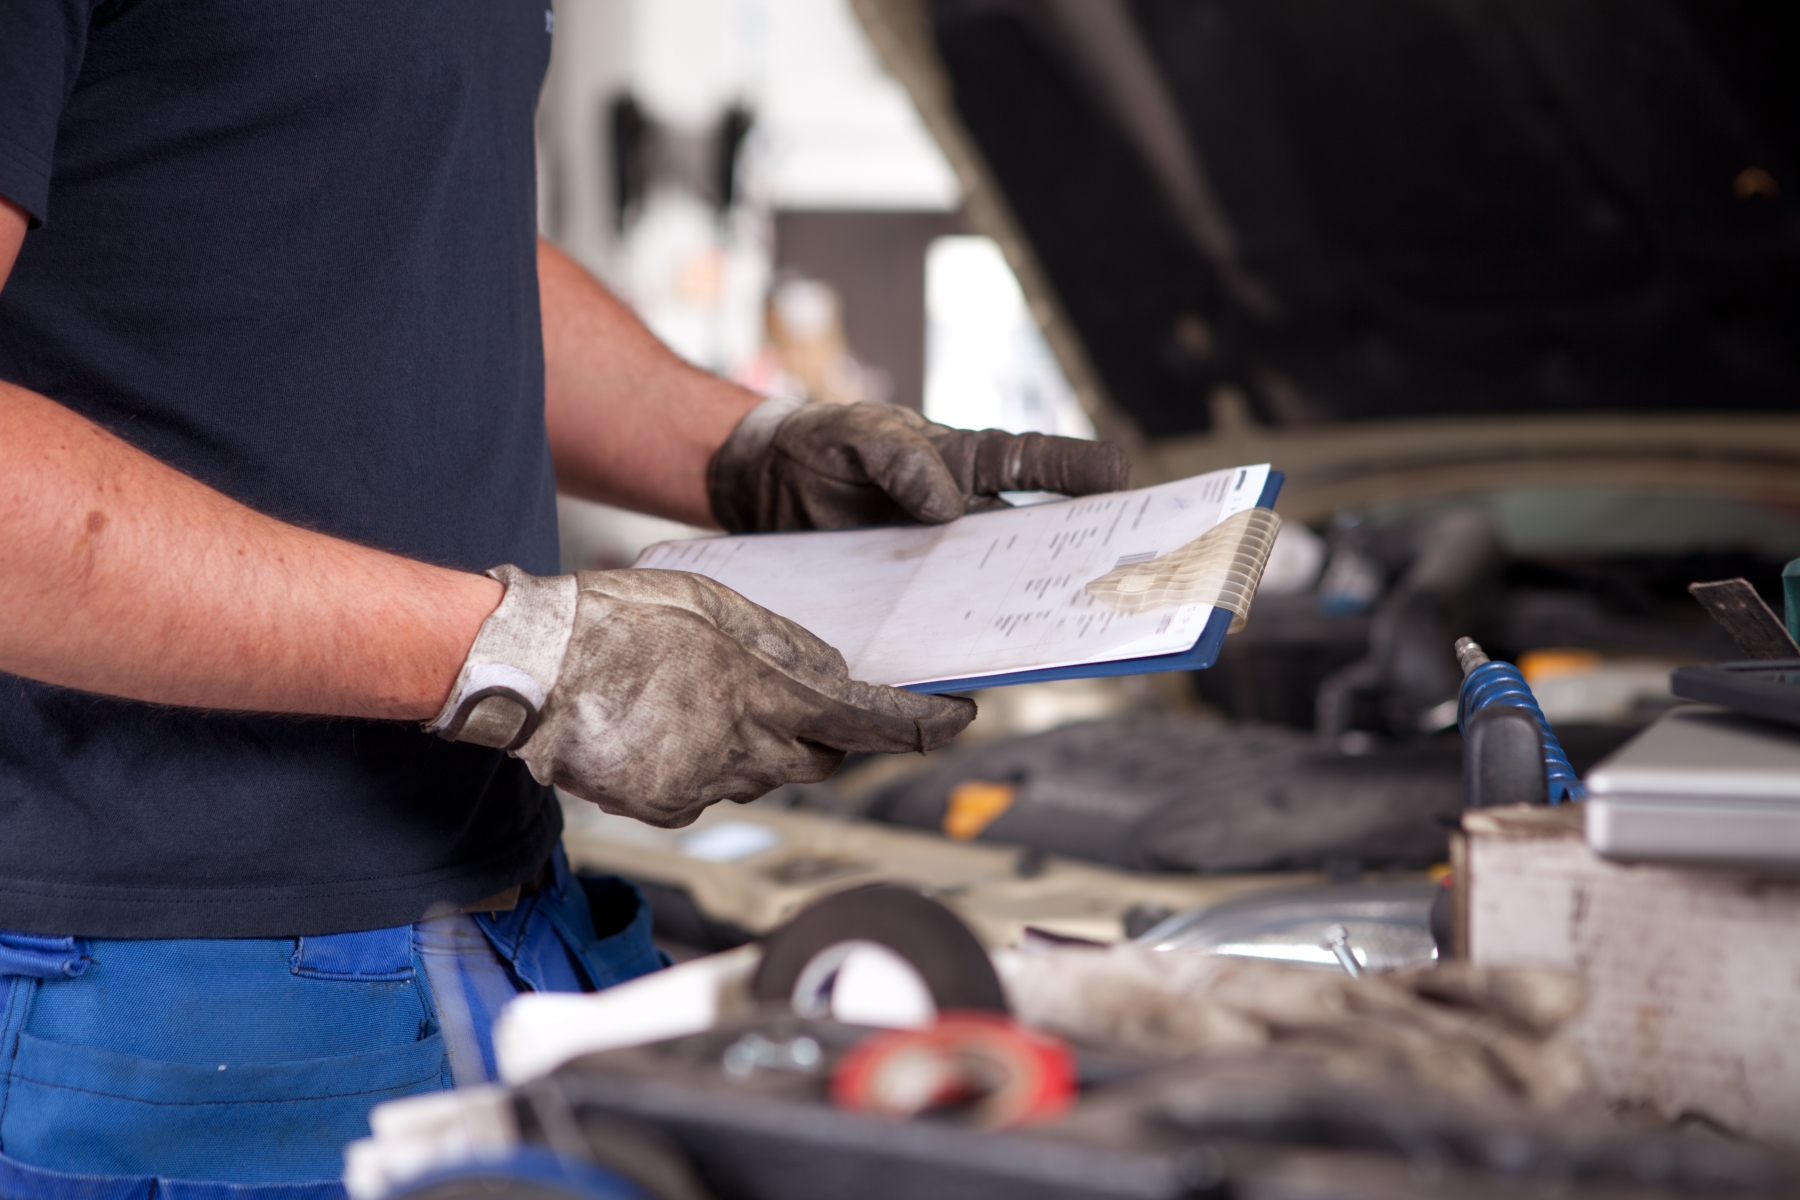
(656, 693)
(793, 465)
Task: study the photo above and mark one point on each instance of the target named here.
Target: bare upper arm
(12, 235)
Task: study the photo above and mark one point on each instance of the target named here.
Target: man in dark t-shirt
(283, 370)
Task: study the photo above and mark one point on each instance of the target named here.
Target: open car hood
(1483, 232)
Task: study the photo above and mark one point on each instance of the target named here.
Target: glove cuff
(734, 477)
(513, 665)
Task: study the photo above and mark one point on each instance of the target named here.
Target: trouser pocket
(615, 943)
(249, 1060)
(95, 1111)
(599, 926)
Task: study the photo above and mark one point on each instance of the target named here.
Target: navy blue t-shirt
(287, 247)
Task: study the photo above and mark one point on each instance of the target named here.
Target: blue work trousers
(237, 1069)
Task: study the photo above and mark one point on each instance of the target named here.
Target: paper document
(988, 594)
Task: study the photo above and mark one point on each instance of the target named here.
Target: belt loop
(373, 956)
(39, 957)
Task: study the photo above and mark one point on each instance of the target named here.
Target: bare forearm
(630, 423)
(122, 576)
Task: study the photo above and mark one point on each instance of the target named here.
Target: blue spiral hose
(1487, 683)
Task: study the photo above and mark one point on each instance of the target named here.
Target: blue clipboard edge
(1203, 654)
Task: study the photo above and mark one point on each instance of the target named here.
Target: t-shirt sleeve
(40, 54)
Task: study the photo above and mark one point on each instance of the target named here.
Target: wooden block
(1693, 976)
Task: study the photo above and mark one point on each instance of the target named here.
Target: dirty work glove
(794, 465)
(656, 693)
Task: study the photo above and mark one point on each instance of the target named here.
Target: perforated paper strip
(1220, 567)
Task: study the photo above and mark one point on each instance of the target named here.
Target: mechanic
(287, 385)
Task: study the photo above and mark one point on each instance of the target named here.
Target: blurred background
(753, 181)
(1511, 292)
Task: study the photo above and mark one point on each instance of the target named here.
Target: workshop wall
(697, 154)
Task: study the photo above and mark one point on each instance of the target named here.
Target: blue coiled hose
(1487, 683)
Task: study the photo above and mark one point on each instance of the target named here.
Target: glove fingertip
(937, 512)
(926, 490)
(948, 716)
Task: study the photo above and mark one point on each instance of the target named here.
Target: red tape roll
(1006, 1074)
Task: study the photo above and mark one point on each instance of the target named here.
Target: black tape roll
(952, 963)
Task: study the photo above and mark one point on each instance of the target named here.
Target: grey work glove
(656, 693)
(794, 465)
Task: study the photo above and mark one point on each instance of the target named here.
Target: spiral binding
(1488, 683)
